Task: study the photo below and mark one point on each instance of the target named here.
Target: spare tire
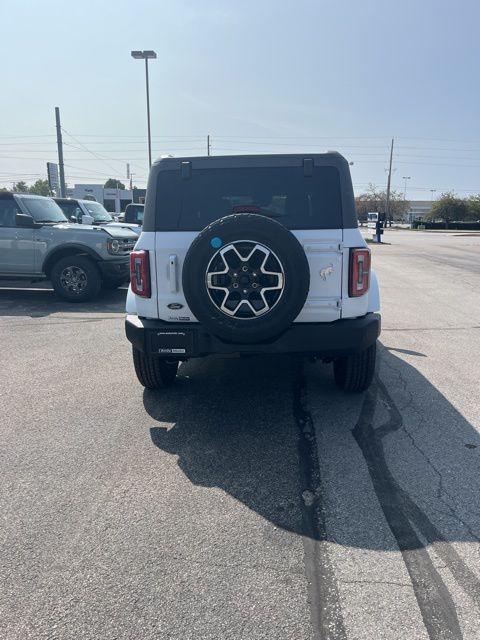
(246, 278)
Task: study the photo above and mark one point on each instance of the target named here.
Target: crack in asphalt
(442, 492)
(325, 611)
(378, 582)
(408, 522)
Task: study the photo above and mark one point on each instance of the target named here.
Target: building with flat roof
(418, 209)
(114, 200)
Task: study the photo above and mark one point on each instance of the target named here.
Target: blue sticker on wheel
(216, 242)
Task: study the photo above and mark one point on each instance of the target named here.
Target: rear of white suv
(249, 255)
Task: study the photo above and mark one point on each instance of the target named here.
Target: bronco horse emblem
(326, 271)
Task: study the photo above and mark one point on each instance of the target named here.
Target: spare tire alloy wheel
(246, 278)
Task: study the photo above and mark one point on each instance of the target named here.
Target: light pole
(405, 189)
(146, 55)
(432, 191)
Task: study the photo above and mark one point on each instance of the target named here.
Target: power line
(88, 150)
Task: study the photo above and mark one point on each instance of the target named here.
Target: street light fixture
(405, 190)
(146, 55)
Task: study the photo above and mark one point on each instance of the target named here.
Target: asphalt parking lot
(253, 499)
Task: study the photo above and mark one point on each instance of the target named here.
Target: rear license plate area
(171, 342)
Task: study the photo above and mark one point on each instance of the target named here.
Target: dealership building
(114, 200)
(418, 209)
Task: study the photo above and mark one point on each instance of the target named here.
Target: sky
(260, 76)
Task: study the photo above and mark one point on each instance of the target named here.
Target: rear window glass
(134, 213)
(282, 193)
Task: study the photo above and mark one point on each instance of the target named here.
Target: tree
(374, 200)
(20, 187)
(40, 188)
(448, 208)
(473, 208)
(113, 183)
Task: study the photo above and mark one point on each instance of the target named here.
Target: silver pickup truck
(37, 242)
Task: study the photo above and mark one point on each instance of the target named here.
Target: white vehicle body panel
(328, 254)
(146, 307)
(323, 251)
(373, 305)
(353, 307)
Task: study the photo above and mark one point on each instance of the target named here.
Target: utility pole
(208, 145)
(60, 153)
(387, 207)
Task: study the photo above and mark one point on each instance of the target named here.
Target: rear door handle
(173, 272)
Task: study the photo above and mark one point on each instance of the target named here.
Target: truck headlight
(113, 246)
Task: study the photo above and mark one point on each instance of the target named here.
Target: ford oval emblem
(175, 305)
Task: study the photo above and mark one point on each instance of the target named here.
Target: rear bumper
(189, 340)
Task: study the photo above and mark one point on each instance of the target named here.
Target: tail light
(140, 273)
(359, 277)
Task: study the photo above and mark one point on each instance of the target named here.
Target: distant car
(134, 213)
(372, 219)
(38, 243)
(84, 211)
(75, 210)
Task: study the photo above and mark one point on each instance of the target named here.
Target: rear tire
(75, 278)
(355, 372)
(154, 372)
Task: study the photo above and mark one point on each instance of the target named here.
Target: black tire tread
(263, 229)
(153, 372)
(94, 278)
(355, 372)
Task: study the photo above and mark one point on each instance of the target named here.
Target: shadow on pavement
(234, 429)
(40, 302)
(232, 425)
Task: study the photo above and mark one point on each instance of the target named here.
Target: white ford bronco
(252, 255)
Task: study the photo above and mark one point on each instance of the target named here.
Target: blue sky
(258, 76)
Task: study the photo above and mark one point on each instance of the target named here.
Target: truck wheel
(246, 278)
(154, 372)
(75, 278)
(355, 372)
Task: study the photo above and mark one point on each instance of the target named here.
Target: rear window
(282, 193)
(134, 213)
